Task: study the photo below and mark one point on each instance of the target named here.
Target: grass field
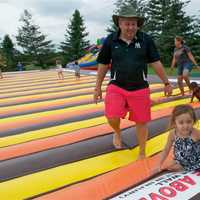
(194, 73)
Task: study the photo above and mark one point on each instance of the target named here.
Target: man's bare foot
(117, 141)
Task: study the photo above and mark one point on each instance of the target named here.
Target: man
(128, 91)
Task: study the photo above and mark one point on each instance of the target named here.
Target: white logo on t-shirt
(137, 45)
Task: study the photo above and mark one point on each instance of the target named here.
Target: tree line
(164, 19)
(34, 49)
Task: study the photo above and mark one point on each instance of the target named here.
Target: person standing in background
(185, 61)
(77, 70)
(19, 66)
(59, 69)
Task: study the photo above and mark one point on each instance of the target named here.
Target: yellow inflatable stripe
(57, 130)
(38, 80)
(60, 84)
(47, 180)
(170, 104)
(15, 99)
(56, 89)
(161, 94)
(52, 113)
(52, 131)
(44, 181)
(29, 80)
(44, 103)
(57, 102)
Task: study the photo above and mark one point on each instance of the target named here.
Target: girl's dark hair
(182, 109)
(180, 39)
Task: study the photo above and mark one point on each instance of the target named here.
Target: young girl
(59, 69)
(185, 140)
(77, 70)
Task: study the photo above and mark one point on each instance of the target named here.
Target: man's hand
(168, 89)
(97, 95)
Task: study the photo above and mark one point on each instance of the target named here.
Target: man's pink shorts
(118, 102)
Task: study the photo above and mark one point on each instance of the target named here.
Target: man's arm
(101, 73)
(159, 69)
(191, 57)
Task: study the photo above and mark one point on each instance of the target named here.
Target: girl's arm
(167, 148)
(191, 57)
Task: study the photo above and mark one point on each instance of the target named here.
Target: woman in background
(185, 61)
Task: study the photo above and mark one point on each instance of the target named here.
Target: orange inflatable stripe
(40, 82)
(68, 138)
(108, 184)
(38, 79)
(43, 105)
(37, 120)
(31, 90)
(47, 96)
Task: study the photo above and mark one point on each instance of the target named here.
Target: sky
(53, 16)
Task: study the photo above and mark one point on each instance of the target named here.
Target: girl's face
(177, 43)
(184, 124)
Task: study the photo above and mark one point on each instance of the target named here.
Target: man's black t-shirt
(129, 61)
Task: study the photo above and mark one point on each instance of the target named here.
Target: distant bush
(32, 67)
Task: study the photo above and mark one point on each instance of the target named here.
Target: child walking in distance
(59, 69)
(185, 140)
(195, 91)
(77, 70)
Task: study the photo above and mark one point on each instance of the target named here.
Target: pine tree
(8, 53)
(166, 19)
(2, 59)
(75, 38)
(34, 44)
(193, 39)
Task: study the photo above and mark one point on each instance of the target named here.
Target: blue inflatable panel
(88, 64)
